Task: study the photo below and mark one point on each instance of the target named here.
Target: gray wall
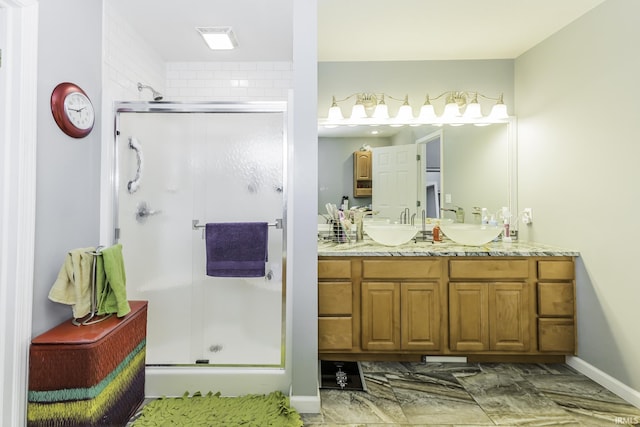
(335, 169)
(572, 95)
(303, 251)
(68, 169)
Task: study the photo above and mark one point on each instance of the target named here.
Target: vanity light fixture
(382, 110)
(218, 38)
(335, 113)
(499, 111)
(367, 106)
(405, 112)
(473, 110)
(359, 110)
(461, 107)
(427, 112)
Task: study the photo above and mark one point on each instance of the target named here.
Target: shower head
(157, 96)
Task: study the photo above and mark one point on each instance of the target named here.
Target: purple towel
(236, 249)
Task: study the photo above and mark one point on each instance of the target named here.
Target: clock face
(72, 110)
(79, 110)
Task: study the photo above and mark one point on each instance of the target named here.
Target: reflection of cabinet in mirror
(362, 174)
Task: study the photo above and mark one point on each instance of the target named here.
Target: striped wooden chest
(89, 375)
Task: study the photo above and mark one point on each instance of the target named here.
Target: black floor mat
(341, 375)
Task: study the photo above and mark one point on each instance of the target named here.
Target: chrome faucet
(422, 234)
(458, 211)
(404, 216)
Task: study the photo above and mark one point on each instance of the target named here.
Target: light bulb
(427, 113)
(451, 110)
(358, 112)
(499, 112)
(381, 111)
(473, 111)
(335, 114)
(405, 114)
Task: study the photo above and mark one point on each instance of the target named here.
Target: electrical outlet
(447, 198)
(527, 216)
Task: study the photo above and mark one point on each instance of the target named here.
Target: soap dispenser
(436, 232)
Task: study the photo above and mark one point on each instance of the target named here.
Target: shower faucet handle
(143, 212)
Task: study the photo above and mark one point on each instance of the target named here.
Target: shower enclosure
(178, 167)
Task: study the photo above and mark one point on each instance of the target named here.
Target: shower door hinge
(418, 157)
(116, 233)
(417, 203)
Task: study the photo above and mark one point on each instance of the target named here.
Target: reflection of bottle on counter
(345, 203)
(506, 234)
(436, 233)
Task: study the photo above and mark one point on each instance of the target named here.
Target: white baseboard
(306, 404)
(624, 391)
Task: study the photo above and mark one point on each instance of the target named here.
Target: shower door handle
(132, 186)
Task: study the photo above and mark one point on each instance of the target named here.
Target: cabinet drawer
(555, 299)
(334, 269)
(557, 335)
(334, 298)
(335, 333)
(402, 269)
(489, 269)
(555, 270)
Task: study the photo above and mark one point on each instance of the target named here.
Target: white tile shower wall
(128, 59)
(228, 81)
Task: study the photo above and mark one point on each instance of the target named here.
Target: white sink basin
(470, 234)
(391, 234)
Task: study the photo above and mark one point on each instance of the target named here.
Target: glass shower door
(203, 167)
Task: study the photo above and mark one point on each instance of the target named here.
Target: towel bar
(92, 317)
(196, 224)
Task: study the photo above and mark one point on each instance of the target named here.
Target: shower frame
(229, 380)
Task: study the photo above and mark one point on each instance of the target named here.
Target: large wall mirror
(458, 166)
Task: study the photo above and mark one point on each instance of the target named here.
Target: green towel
(111, 283)
(73, 284)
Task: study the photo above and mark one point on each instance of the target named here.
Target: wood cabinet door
(362, 169)
(420, 312)
(557, 335)
(509, 316)
(556, 299)
(380, 315)
(335, 333)
(468, 316)
(335, 299)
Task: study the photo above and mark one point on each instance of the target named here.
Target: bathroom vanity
(496, 302)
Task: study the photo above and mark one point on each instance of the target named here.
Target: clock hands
(77, 110)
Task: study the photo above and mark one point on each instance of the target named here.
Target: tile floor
(456, 394)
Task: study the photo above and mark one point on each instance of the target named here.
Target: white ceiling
(354, 30)
(376, 30)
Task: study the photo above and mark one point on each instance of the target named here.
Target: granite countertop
(368, 247)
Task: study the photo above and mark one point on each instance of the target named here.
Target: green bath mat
(252, 410)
